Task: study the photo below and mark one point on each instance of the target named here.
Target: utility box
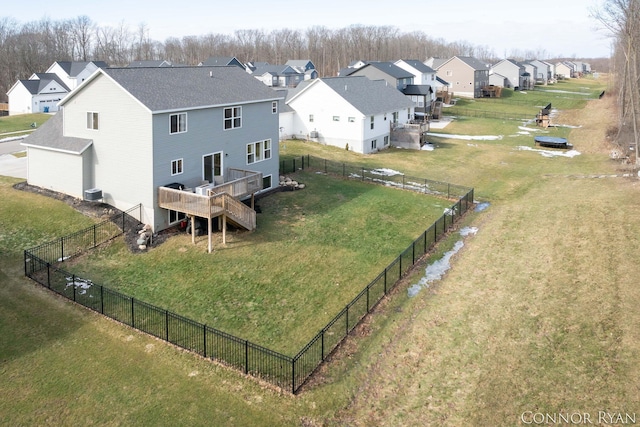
(93, 194)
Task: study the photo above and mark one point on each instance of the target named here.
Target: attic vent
(210, 73)
(345, 88)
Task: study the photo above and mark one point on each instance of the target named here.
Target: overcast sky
(558, 27)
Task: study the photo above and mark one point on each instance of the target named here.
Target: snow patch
(467, 137)
(437, 269)
(549, 153)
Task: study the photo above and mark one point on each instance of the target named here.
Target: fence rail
(42, 264)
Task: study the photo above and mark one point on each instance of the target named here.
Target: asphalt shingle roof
(49, 136)
(368, 96)
(420, 66)
(73, 68)
(168, 88)
(35, 86)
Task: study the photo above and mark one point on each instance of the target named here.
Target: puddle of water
(481, 206)
(438, 268)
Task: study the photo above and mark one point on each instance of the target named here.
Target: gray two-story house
(167, 138)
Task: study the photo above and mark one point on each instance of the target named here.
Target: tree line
(34, 46)
(622, 19)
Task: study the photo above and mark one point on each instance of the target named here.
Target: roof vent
(211, 73)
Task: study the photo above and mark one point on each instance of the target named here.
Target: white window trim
(181, 164)
(263, 151)
(270, 176)
(232, 118)
(185, 123)
(94, 126)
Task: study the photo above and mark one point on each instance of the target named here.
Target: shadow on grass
(31, 318)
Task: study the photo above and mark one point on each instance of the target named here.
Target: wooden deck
(220, 200)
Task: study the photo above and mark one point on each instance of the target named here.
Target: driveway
(11, 165)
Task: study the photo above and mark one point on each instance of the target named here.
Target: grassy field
(537, 314)
(313, 251)
(21, 122)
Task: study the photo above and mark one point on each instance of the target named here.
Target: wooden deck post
(224, 229)
(209, 230)
(193, 229)
(209, 224)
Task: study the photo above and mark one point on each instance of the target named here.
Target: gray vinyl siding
(206, 135)
(122, 154)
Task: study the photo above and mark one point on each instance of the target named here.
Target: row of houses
(181, 140)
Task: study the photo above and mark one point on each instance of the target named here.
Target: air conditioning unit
(203, 189)
(313, 134)
(93, 194)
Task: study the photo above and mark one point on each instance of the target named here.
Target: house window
(374, 144)
(395, 116)
(352, 119)
(92, 120)
(176, 167)
(175, 216)
(274, 107)
(386, 140)
(311, 118)
(232, 117)
(336, 118)
(178, 123)
(449, 73)
(258, 151)
(266, 182)
(371, 122)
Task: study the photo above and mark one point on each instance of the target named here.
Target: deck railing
(220, 199)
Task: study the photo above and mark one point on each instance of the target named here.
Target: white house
(39, 94)
(132, 133)
(42, 91)
(73, 73)
(354, 113)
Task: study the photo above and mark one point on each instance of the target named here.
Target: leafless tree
(622, 19)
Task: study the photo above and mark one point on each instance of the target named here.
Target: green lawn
(22, 122)
(539, 312)
(313, 251)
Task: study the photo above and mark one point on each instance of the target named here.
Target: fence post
(400, 269)
(367, 298)
(133, 323)
(347, 323)
(425, 186)
(322, 343)
(166, 325)
(325, 165)
(62, 249)
(246, 356)
(362, 174)
(73, 277)
(293, 375)
(94, 236)
(403, 181)
(204, 339)
(413, 253)
(49, 275)
(385, 280)
(101, 299)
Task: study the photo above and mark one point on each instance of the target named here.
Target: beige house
(466, 75)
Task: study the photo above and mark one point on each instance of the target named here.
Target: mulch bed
(102, 211)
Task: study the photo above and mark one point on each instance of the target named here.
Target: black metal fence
(289, 373)
(375, 176)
